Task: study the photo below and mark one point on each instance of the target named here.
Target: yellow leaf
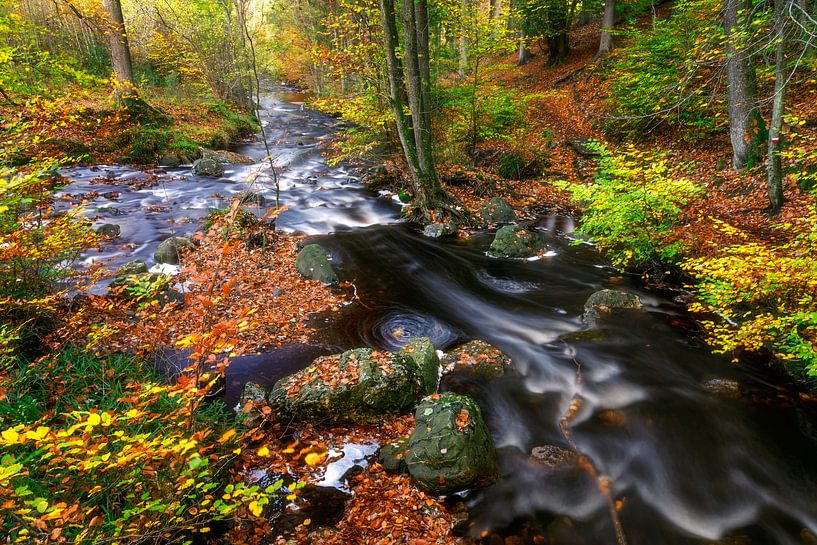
(263, 451)
(227, 435)
(10, 436)
(314, 458)
(255, 508)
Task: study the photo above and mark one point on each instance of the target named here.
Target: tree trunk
(742, 105)
(427, 191)
(462, 42)
(774, 167)
(120, 52)
(607, 24)
(524, 49)
(396, 89)
(558, 47)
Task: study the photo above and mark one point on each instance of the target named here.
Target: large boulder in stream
(450, 448)
(495, 211)
(312, 263)
(208, 167)
(170, 250)
(514, 242)
(606, 301)
(360, 386)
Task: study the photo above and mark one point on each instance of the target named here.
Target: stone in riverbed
(208, 167)
(606, 300)
(450, 448)
(108, 230)
(170, 250)
(358, 386)
(478, 360)
(553, 457)
(312, 263)
(514, 242)
(439, 230)
(496, 210)
(225, 157)
(137, 266)
(422, 352)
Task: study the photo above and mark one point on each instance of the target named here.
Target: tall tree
(409, 82)
(607, 24)
(774, 167)
(120, 51)
(745, 123)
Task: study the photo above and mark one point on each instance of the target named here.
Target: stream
(687, 465)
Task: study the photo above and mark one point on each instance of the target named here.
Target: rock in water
(313, 263)
(439, 230)
(136, 266)
(606, 300)
(108, 230)
(496, 211)
(169, 251)
(422, 352)
(514, 242)
(477, 359)
(208, 167)
(450, 448)
(360, 386)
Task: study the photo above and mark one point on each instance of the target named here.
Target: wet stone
(393, 456)
(439, 230)
(496, 210)
(170, 250)
(722, 386)
(422, 352)
(312, 263)
(358, 386)
(607, 300)
(477, 359)
(552, 456)
(136, 266)
(514, 242)
(108, 230)
(208, 167)
(450, 448)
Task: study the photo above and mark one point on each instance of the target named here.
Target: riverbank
(84, 126)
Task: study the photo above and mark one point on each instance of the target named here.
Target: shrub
(97, 448)
(764, 296)
(632, 207)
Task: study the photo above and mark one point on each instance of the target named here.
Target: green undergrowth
(633, 206)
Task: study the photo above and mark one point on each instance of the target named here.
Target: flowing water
(686, 465)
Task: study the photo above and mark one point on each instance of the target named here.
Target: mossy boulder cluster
(450, 448)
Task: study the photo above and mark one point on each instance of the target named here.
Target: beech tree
(607, 23)
(120, 52)
(746, 127)
(409, 86)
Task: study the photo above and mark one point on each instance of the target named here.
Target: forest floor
(571, 103)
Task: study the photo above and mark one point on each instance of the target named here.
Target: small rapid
(686, 465)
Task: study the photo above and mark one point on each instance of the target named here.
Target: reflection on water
(685, 464)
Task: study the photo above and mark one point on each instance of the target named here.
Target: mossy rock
(439, 230)
(607, 300)
(170, 250)
(312, 263)
(512, 241)
(478, 360)
(208, 167)
(421, 351)
(108, 230)
(358, 386)
(393, 456)
(496, 210)
(450, 448)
